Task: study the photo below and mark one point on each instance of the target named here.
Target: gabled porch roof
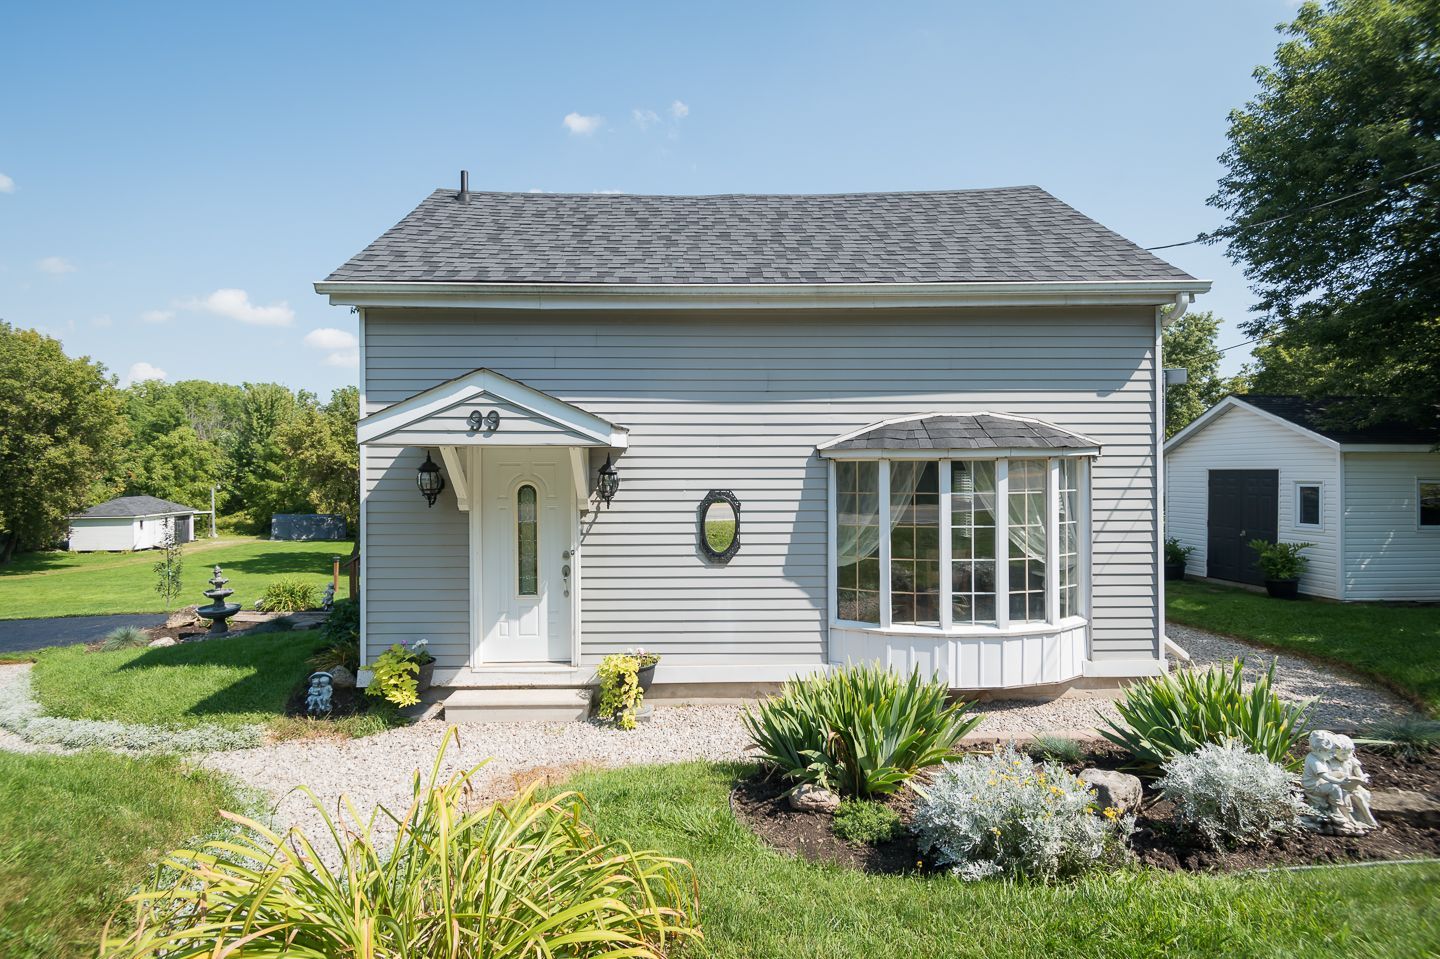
(442, 416)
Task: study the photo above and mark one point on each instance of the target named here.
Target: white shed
(1268, 467)
(130, 522)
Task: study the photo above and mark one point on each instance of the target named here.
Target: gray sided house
(1273, 468)
(937, 412)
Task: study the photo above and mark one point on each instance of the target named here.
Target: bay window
(958, 543)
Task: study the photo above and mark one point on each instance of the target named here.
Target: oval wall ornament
(718, 525)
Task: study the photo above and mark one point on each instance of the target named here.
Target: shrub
(861, 730)
(1002, 814)
(1179, 713)
(1057, 749)
(863, 820)
(523, 878)
(124, 637)
(1230, 795)
(1407, 736)
(397, 673)
(288, 594)
(341, 631)
(1281, 560)
(1176, 554)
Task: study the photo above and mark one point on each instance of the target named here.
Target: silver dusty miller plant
(1231, 796)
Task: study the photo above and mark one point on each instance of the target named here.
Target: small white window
(1429, 504)
(1307, 504)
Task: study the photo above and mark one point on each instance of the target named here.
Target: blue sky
(174, 177)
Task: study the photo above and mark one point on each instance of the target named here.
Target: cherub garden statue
(317, 702)
(1334, 786)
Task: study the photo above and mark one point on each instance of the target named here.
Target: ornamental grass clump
(1231, 796)
(1002, 814)
(288, 594)
(861, 730)
(522, 878)
(1173, 715)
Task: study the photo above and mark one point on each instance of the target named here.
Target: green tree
(1189, 342)
(265, 477)
(1349, 286)
(60, 432)
(169, 568)
(321, 441)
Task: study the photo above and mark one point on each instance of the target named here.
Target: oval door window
(720, 525)
(527, 542)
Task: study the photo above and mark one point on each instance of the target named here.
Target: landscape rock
(182, 618)
(1420, 809)
(341, 677)
(162, 642)
(1120, 790)
(810, 798)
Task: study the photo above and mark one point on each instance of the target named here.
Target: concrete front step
(532, 703)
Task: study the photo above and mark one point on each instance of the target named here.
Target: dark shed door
(1244, 505)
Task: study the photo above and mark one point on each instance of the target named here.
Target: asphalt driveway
(19, 635)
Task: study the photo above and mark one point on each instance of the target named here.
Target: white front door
(528, 529)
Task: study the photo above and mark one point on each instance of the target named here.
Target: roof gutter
(690, 296)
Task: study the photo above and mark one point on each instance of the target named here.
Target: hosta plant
(861, 730)
(1001, 814)
(1181, 712)
(525, 878)
(1231, 796)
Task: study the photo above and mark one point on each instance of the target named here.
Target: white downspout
(1168, 647)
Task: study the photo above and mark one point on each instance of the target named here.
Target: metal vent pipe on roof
(464, 196)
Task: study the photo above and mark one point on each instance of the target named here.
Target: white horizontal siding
(1241, 439)
(102, 534)
(739, 401)
(1387, 555)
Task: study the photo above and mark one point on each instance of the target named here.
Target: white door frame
(477, 540)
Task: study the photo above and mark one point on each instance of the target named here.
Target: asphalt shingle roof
(961, 236)
(968, 431)
(1316, 415)
(136, 506)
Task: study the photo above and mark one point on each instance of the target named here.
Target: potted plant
(622, 688)
(1282, 565)
(645, 670)
(1175, 558)
(402, 673)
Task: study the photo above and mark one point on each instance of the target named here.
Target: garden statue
(1334, 786)
(218, 611)
(317, 702)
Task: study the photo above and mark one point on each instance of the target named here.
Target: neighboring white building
(1267, 467)
(130, 522)
(935, 416)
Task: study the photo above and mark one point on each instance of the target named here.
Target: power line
(1238, 228)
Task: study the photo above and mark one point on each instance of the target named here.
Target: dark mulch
(759, 804)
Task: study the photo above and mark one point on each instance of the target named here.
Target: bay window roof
(982, 433)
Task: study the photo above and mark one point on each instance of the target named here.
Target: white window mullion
(1002, 544)
(947, 578)
(1052, 541)
(885, 543)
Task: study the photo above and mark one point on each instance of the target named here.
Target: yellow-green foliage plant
(524, 878)
(620, 692)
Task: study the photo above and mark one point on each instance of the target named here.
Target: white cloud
(679, 110)
(55, 265)
(236, 305)
(581, 125)
(157, 316)
(341, 346)
(645, 119)
(608, 192)
(7, 185)
(143, 371)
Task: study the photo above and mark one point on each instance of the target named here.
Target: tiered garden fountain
(218, 611)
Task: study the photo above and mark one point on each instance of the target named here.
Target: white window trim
(1002, 625)
(1419, 526)
(1295, 504)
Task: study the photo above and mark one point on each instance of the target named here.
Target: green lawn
(57, 583)
(78, 831)
(758, 904)
(227, 682)
(1397, 645)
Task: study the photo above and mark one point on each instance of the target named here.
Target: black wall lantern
(609, 482)
(429, 479)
